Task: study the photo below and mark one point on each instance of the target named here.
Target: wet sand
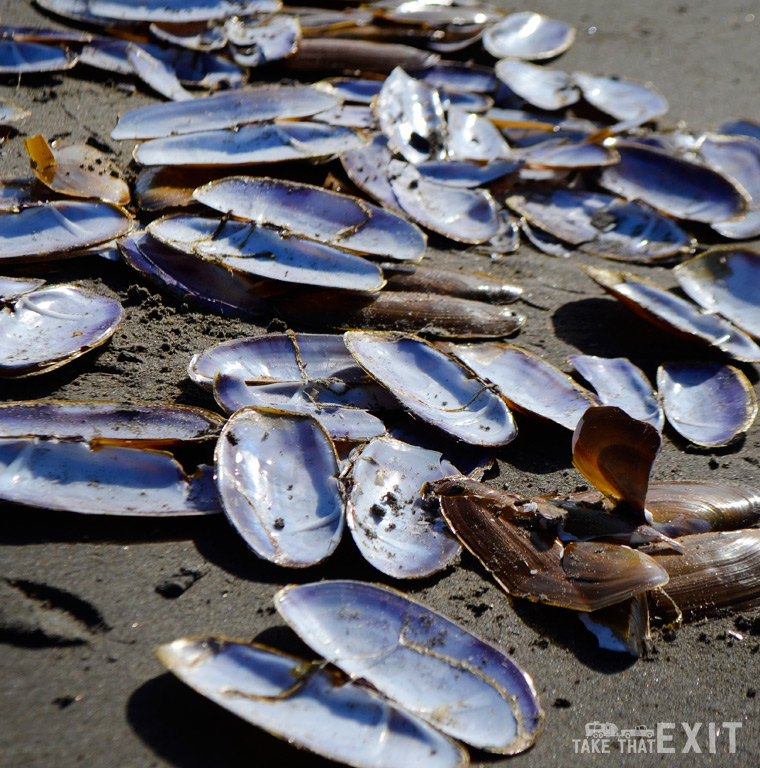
(86, 600)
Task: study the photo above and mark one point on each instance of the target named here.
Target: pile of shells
(314, 201)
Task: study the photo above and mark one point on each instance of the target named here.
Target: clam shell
(566, 154)
(341, 421)
(506, 240)
(277, 476)
(673, 185)
(601, 224)
(427, 664)
(725, 280)
(710, 404)
(471, 137)
(158, 187)
(393, 527)
(717, 571)
(620, 383)
(623, 627)
(102, 422)
(352, 89)
(307, 706)
(271, 143)
(690, 506)
(54, 229)
(540, 86)
(527, 382)
(317, 213)
(177, 10)
(367, 167)
(73, 9)
(49, 327)
(106, 480)
(466, 173)
(528, 35)
(196, 36)
(11, 113)
(263, 39)
(201, 282)
(21, 57)
(157, 74)
(675, 314)
(529, 562)
(444, 393)
(459, 76)
(278, 357)
(13, 287)
(410, 114)
(259, 251)
(223, 110)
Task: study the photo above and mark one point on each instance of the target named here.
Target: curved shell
(433, 386)
(19, 57)
(309, 707)
(394, 528)
(542, 87)
(427, 664)
(710, 404)
(177, 10)
(277, 476)
(629, 102)
(528, 35)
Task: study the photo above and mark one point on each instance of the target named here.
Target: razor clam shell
(55, 229)
(204, 283)
(444, 393)
(158, 188)
(540, 86)
(735, 156)
(76, 10)
(78, 170)
(264, 39)
(21, 57)
(528, 35)
(394, 528)
(277, 476)
(451, 282)
(471, 137)
(325, 54)
(673, 185)
(411, 116)
(464, 215)
(601, 224)
(316, 213)
(717, 571)
(741, 229)
(107, 480)
(615, 453)
(157, 74)
(249, 144)
(307, 706)
(177, 10)
(348, 115)
(623, 627)
(49, 327)
(725, 280)
(367, 167)
(465, 173)
(545, 242)
(458, 76)
(426, 313)
(675, 314)
(13, 287)
(709, 404)
(629, 102)
(679, 508)
(260, 251)
(278, 357)
(619, 382)
(566, 154)
(424, 662)
(223, 110)
(136, 424)
(583, 575)
(196, 36)
(352, 89)
(340, 421)
(527, 382)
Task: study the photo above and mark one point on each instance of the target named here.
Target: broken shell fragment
(277, 475)
(223, 110)
(308, 706)
(260, 251)
(22, 56)
(13, 287)
(395, 529)
(708, 403)
(425, 663)
(49, 327)
(157, 74)
(615, 453)
(433, 386)
(57, 228)
(104, 480)
(317, 213)
(619, 382)
(260, 40)
(725, 280)
(527, 561)
(528, 35)
(270, 143)
(527, 382)
(623, 627)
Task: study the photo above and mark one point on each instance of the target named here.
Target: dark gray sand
(86, 600)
